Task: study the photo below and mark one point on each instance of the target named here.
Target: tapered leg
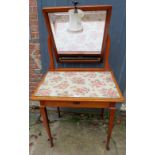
(58, 109)
(111, 124)
(46, 123)
(102, 113)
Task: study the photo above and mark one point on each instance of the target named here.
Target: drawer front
(77, 104)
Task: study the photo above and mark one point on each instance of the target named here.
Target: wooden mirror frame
(51, 42)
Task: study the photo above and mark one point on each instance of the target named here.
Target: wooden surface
(112, 110)
(43, 112)
(76, 104)
(78, 99)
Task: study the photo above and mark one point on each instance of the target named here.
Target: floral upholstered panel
(78, 84)
(90, 39)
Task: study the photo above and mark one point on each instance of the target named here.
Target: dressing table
(78, 87)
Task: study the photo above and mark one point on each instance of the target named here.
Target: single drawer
(76, 104)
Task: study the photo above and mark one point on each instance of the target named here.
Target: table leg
(111, 124)
(43, 112)
(102, 113)
(58, 109)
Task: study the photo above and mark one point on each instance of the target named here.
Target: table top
(98, 86)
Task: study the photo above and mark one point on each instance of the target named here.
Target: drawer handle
(76, 103)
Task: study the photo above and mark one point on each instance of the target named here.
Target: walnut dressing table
(78, 87)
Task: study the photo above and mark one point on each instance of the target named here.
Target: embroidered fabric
(78, 84)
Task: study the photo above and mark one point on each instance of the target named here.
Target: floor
(76, 134)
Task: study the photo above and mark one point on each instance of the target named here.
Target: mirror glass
(88, 40)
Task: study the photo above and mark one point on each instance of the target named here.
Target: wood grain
(76, 104)
(46, 123)
(112, 110)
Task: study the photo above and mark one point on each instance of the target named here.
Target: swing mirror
(84, 45)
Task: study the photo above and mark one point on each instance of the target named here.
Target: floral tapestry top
(78, 84)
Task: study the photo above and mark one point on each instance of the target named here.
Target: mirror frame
(97, 57)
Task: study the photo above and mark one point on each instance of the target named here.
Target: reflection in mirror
(89, 39)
